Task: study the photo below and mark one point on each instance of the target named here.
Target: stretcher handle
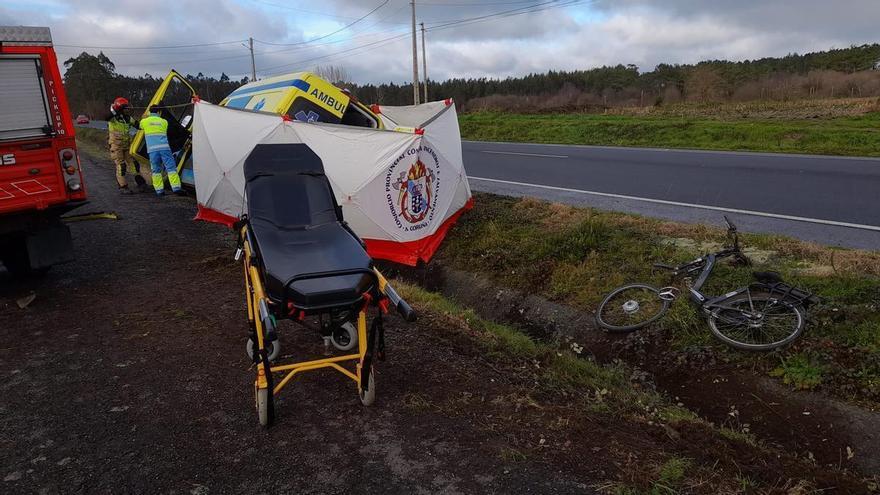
(402, 306)
(328, 274)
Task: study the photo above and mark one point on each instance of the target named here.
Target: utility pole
(415, 56)
(253, 63)
(424, 62)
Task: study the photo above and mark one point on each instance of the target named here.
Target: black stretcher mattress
(297, 228)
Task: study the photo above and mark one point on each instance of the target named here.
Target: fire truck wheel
(15, 258)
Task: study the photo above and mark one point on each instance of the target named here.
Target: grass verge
(657, 447)
(604, 388)
(577, 255)
(92, 141)
(850, 135)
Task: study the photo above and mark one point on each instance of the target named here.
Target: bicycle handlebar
(730, 226)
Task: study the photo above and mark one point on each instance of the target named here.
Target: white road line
(688, 205)
(679, 150)
(522, 154)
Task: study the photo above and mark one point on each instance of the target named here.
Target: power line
(546, 5)
(343, 28)
(518, 11)
(363, 28)
(472, 4)
(305, 11)
(149, 47)
(534, 7)
(194, 45)
(242, 55)
(436, 25)
(378, 42)
(322, 14)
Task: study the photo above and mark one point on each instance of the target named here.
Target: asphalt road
(831, 200)
(826, 199)
(95, 124)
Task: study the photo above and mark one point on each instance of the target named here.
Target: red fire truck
(40, 176)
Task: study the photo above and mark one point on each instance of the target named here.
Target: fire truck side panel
(40, 173)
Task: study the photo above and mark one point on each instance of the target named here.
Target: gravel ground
(127, 374)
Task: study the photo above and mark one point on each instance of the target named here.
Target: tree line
(92, 83)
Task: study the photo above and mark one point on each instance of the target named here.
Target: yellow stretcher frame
(256, 297)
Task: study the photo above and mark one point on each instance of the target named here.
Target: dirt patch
(737, 462)
(809, 425)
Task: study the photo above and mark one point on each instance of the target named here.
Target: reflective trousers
(119, 144)
(164, 159)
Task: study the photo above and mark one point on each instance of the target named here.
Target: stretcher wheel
(264, 399)
(273, 347)
(369, 397)
(344, 337)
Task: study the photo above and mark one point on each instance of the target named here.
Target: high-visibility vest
(156, 133)
(119, 124)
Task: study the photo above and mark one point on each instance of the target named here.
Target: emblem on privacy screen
(260, 104)
(412, 189)
(415, 192)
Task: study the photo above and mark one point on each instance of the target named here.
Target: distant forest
(92, 83)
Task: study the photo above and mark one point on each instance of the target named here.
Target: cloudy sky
(466, 38)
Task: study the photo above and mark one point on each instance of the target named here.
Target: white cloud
(641, 32)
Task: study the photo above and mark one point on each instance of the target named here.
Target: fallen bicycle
(766, 315)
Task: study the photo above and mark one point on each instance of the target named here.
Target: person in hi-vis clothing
(119, 127)
(156, 133)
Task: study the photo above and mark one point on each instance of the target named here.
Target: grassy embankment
(576, 255)
(92, 141)
(556, 377)
(832, 127)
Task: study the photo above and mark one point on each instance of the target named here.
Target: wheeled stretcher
(303, 263)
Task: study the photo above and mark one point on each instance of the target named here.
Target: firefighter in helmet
(120, 125)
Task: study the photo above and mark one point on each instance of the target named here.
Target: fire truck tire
(15, 258)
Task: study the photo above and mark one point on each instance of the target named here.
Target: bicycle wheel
(757, 321)
(631, 307)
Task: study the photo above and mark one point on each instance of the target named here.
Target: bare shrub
(708, 94)
(704, 84)
(671, 95)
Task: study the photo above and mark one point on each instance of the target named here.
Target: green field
(849, 135)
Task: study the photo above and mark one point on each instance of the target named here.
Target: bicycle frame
(743, 308)
(708, 265)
